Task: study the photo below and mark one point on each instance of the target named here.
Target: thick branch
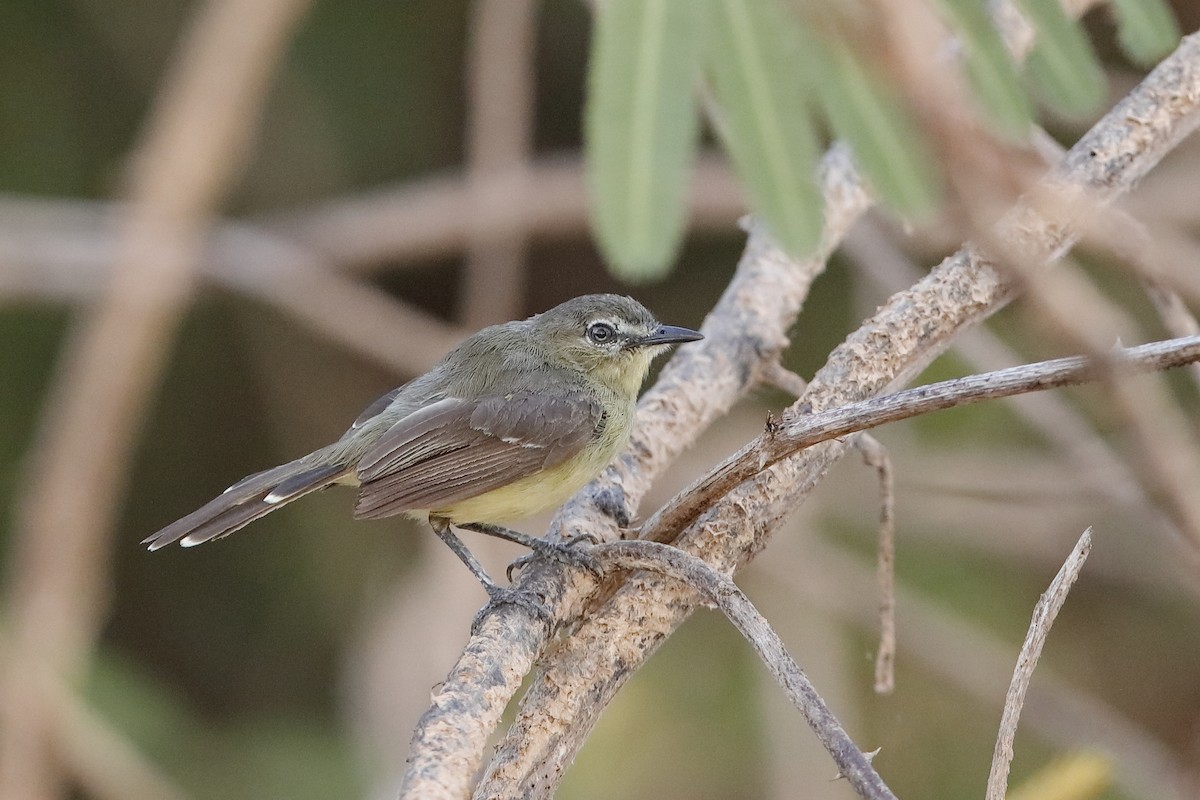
(744, 332)
(902, 338)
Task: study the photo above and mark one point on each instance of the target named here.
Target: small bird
(513, 421)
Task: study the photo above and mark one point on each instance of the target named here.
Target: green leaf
(641, 126)
(990, 68)
(887, 143)
(1146, 28)
(752, 55)
(1062, 63)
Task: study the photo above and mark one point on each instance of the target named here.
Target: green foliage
(1147, 29)
(641, 129)
(752, 57)
(641, 116)
(990, 68)
(886, 141)
(1063, 64)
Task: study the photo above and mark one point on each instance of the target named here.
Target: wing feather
(455, 449)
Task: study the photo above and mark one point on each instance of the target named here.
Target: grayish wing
(376, 407)
(455, 449)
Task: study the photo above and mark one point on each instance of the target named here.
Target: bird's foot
(506, 595)
(566, 552)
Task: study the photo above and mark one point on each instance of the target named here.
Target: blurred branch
(425, 220)
(194, 144)
(1039, 628)
(500, 84)
(720, 590)
(968, 657)
(1156, 430)
(103, 761)
(64, 250)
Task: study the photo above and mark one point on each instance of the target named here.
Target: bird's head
(611, 338)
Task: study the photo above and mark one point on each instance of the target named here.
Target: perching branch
(583, 673)
(744, 333)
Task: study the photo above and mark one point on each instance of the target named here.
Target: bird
(513, 421)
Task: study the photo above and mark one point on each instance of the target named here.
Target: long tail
(246, 501)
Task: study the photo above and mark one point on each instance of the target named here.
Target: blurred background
(415, 173)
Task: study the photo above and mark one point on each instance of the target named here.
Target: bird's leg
(564, 552)
(496, 594)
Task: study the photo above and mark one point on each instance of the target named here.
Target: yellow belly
(542, 490)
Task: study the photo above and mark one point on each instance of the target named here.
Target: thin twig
(797, 432)
(1039, 628)
(876, 455)
(719, 589)
(960, 653)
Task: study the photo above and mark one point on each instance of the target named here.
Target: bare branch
(891, 347)
(720, 590)
(799, 431)
(744, 331)
(876, 455)
(1039, 628)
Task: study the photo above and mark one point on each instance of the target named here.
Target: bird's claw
(501, 595)
(563, 552)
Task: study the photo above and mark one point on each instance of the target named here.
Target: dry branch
(1039, 628)
(796, 433)
(585, 670)
(719, 589)
(744, 333)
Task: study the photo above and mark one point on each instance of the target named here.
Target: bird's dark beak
(670, 334)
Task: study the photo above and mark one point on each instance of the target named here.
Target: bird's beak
(670, 334)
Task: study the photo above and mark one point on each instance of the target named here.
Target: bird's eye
(601, 332)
